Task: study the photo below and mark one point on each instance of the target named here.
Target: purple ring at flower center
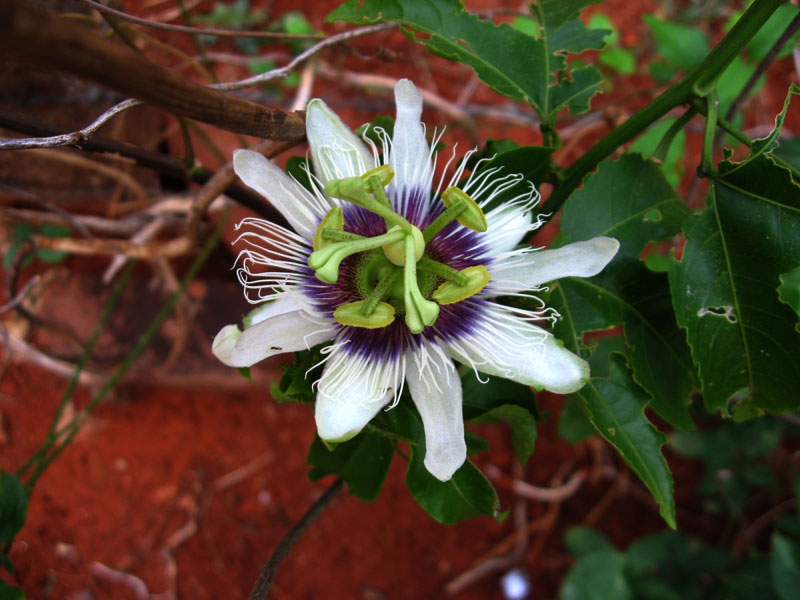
(455, 246)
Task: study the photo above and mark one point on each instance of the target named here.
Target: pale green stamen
(354, 189)
(450, 292)
(352, 314)
(326, 261)
(333, 221)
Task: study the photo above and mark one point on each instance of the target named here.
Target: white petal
(300, 207)
(336, 150)
(436, 390)
(507, 346)
(507, 225)
(351, 391)
(282, 304)
(225, 342)
(410, 154)
(287, 332)
(530, 269)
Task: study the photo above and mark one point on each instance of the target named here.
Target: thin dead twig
(73, 159)
(24, 351)
(197, 30)
(93, 247)
(17, 300)
(76, 138)
(243, 472)
(303, 56)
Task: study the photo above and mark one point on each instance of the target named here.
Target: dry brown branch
(197, 30)
(76, 138)
(38, 37)
(94, 247)
(125, 226)
(17, 300)
(21, 350)
(82, 162)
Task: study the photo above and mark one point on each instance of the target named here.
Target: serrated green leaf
(468, 494)
(631, 201)
(600, 574)
(770, 142)
(725, 287)
(523, 427)
(785, 566)
(13, 507)
(683, 46)
(563, 29)
(628, 293)
(628, 199)
(577, 92)
(615, 405)
(509, 61)
(362, 462)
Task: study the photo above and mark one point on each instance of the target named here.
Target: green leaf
(765, 38)
(733, 80)
(468, 494)
(631, 201)
(789, 289)
(295, 384)
(13, 507)
(482, 395)
(298, 167)
(10, 592)
(628, 199)
(785, 566)
(601, 22)
(598, 575)
(523, 427)
(771, 141)
(385, 122)
(509, 61)
(619, 59)
(362, 462)
(743, 338)
(683, 46)
(616, 408)
(573, 425)
(646, 144)
(582, 540)
(576, 93)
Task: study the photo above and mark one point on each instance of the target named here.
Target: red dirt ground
(187, 480)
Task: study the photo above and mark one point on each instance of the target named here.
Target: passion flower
(400, 279)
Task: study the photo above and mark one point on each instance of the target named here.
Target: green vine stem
(698, 82)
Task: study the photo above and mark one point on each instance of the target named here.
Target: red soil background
(189, 475)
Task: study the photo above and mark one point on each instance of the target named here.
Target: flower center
(394, 276)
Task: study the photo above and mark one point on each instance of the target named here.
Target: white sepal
(436, 391)
(287, 332)
(529, 269)
(505, 345)
(300, 207)
(351, 391)
(336, 150)
(410, 155)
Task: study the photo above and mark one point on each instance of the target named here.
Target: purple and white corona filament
(400, 279)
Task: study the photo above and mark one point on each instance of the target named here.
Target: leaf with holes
(744, 339)
(630, 200)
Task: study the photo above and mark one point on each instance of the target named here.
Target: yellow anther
(450, 293)
(471, 215)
